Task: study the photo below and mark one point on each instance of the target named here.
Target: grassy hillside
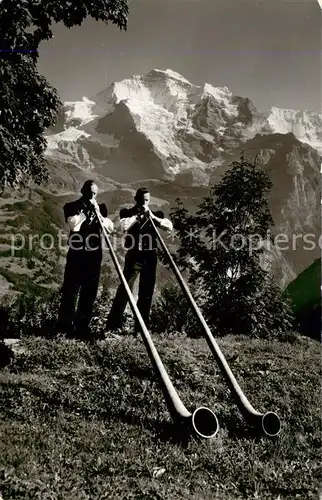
(89, 422)
(305, 289)
(30, 257)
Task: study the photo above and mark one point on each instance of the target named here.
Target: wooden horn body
(202, 421)
(268, 422)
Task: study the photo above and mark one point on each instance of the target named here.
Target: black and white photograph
(160, 249)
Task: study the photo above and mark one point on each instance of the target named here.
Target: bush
(31, 264)
(35, 314)
(171, 312)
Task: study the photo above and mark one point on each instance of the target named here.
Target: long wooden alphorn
(202, 421)
(269, 422)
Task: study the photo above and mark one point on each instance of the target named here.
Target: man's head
(89, 190)
(142, 197)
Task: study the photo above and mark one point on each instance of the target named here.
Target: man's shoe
(116, 336)
(116, 333)
(83, 334)
(111, 326)
(68, 334)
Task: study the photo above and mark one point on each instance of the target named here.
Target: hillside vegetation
(305, 289)
(305, 294)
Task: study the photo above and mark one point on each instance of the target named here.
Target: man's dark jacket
(142, 230)
(90, 229)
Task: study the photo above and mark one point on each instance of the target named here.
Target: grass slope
(304, 291)
(89, 422)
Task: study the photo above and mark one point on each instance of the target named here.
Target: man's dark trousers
(145, 263)
(81, 277)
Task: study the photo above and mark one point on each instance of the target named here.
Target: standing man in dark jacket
(141, 257)
(83, 263)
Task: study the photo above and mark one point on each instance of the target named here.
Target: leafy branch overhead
(28, 103)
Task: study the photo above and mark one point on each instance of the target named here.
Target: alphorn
(269, 422)
(202, 421)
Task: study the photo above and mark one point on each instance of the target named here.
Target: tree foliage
(223, 246)
(179, 319)
(28, 103)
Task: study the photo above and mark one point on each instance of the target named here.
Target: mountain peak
(217, 92)
(77, 113)
(168, 73)
(183, 125)
(305, 125)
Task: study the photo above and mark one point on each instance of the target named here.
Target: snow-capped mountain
(305, 125)
(161, 125)
(162, 130)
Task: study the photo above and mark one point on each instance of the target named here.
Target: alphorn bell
(269, 422)
(203, 422)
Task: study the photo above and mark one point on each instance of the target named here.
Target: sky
(269, 50)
